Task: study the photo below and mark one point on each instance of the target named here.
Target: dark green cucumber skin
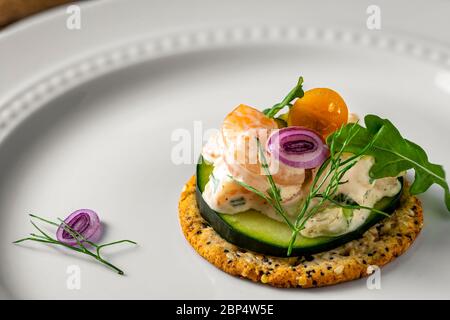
(244, 241)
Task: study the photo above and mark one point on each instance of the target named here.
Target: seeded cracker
(381, 244)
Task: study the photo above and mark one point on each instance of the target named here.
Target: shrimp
(239, 131)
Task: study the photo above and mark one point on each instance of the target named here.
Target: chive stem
(80, 248)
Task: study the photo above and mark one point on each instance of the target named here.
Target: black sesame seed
(229, 261)
(265, 259)
(321, 273)
(208, 243)
(399, 234)
(199, 232)
(329, 268)
(226, 250)
(369, 254)
(386, 249)
(364, 261)
(314, 283)
(309, 258)
(277, 265)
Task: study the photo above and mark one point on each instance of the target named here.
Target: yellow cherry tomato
(320, 109)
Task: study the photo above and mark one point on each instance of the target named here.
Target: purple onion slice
(297, 147)
(84, 221)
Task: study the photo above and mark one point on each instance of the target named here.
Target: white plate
(86, 121)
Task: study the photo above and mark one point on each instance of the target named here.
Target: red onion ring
(297, 147)
(84, 221)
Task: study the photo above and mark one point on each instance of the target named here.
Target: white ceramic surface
(86, 121)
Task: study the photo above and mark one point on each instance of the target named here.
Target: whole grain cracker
(381, 244)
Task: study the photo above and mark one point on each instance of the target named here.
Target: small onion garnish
(297, 147)
(85, 222)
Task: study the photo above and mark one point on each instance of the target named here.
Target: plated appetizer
(303, 195)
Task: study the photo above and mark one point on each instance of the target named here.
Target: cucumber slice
(254, 231)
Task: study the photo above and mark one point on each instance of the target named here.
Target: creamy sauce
(226, 196)
(222, 194)
(360, 189)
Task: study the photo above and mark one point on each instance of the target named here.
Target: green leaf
(296, 92)
(348, 214)
(393, 154)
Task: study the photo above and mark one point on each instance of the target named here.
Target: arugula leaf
(296, 92)
(393, 154)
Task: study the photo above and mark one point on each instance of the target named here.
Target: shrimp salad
(305, 176)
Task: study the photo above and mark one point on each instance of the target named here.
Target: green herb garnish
(273, 194)
(380, 139)
(326, 182)
(296, 92)
(324, 186)
(43, 237)
(393, 154)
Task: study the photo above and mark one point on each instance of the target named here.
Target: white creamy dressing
(361, 189)
(222, 194)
